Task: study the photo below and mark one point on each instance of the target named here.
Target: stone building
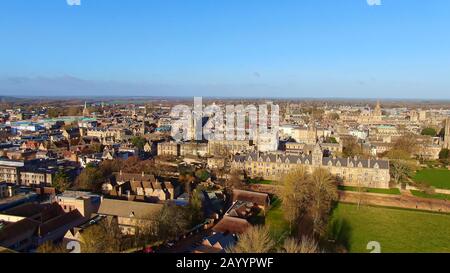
(294, 148)
(372, 173)
(306, 135)
(117, 134)
(447, 134)
(225, 147)
(130, 216)
(85, 202)
(216, 162)
(10, 171)
(372, 117)
(168, 149)
(36, 177)
(193, 148)
(134, 186)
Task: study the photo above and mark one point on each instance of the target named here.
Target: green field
(395, 229)
(371, 190)
(275, 220)
(438, 178)
(440, 196)
(257, 181)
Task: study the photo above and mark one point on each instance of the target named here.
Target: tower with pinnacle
(447, 133)
(85, 110)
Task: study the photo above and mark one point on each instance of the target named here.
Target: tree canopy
(429, 132)
(256, 239)
(308, 195)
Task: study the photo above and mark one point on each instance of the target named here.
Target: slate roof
(17, 229)
(225, 240)
(307, 160)
(231, 225)
(128, 209)
(67, 220)
(46, 211)
(134, 176)
(261, 199)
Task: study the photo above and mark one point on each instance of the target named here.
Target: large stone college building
(371, 173)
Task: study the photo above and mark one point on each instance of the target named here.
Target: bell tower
(317, 155)
(447, 134)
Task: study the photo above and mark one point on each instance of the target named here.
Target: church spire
(85, 110)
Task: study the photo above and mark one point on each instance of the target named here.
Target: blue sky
(285, 48)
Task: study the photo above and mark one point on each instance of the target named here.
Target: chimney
(128, 195)
(120, 191)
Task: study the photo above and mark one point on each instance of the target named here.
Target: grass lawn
(438, 178)
(440, 196)
(279, 227)
(395, 229)
(371, 190)
(257, 181)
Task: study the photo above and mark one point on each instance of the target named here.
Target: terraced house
(372, 173)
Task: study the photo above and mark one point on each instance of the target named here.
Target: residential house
(129, 214)
(30, 225)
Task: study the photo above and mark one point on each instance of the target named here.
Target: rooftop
(77, 195)
(128, 209)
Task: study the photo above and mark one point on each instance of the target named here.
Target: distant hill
(9, 99)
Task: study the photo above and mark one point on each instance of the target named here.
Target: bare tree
(104, 237)
(50, 247)
(293, 194)
(172, 221)
(323, 194)
(312, 195)
(306, 245)
(234, 182)
(401, 170)
(255, 239)
(147, 230)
